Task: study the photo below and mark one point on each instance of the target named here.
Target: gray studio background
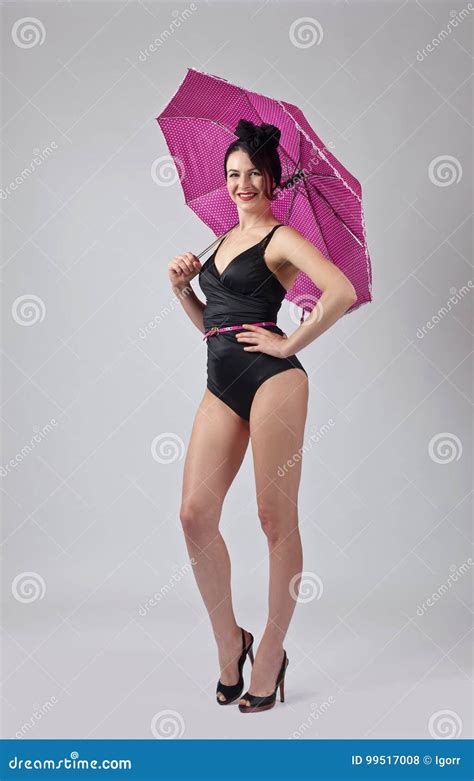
(97, 406)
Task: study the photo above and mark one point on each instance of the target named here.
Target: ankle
(272, 638)
(229, 639)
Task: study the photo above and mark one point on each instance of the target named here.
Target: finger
(247, 337)
(184, 267)
(187, 265)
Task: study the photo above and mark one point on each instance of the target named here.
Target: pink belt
(216, 330)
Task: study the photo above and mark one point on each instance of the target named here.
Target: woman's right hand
(182, 269)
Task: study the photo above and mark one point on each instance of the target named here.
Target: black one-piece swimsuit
(246, 292)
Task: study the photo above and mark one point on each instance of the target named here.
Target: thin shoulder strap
(267, 238)
(219, 244)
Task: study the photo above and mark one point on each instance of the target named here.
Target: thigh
(217, 446)
(277, 421)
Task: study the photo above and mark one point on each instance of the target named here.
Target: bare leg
(277, 421)
(218, 443)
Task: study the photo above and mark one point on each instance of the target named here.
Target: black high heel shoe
(265, 703)
(233, 691)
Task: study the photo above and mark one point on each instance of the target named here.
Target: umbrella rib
(310, 140)
(336, 213)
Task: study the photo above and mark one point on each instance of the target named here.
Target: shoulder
(288, 233)
(286, 241)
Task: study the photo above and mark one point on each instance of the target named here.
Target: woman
(257, 389)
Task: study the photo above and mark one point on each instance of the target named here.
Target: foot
(229, 653)
(265, 669)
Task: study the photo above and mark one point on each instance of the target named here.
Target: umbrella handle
(218, 238)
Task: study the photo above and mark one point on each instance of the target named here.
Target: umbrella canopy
(317, 196)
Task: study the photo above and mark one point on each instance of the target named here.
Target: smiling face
(247, 185)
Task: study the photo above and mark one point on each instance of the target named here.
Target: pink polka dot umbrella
(318, 196)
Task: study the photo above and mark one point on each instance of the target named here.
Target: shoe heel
(282, 683)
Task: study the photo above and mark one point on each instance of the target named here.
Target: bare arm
(182, 269)
(338, 293)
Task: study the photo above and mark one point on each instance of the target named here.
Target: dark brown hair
(261, 144)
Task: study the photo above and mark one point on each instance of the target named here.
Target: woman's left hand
(262, 340)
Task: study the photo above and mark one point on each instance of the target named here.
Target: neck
(250, 221)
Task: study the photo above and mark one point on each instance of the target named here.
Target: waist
(250, 311)
(214, 330)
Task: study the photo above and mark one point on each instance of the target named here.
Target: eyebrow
(237, 170)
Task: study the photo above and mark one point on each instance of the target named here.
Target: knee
(270, 522)
(277, 523)
(197, 521)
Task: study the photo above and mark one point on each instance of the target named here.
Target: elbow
(353, 297)
(349, 295)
